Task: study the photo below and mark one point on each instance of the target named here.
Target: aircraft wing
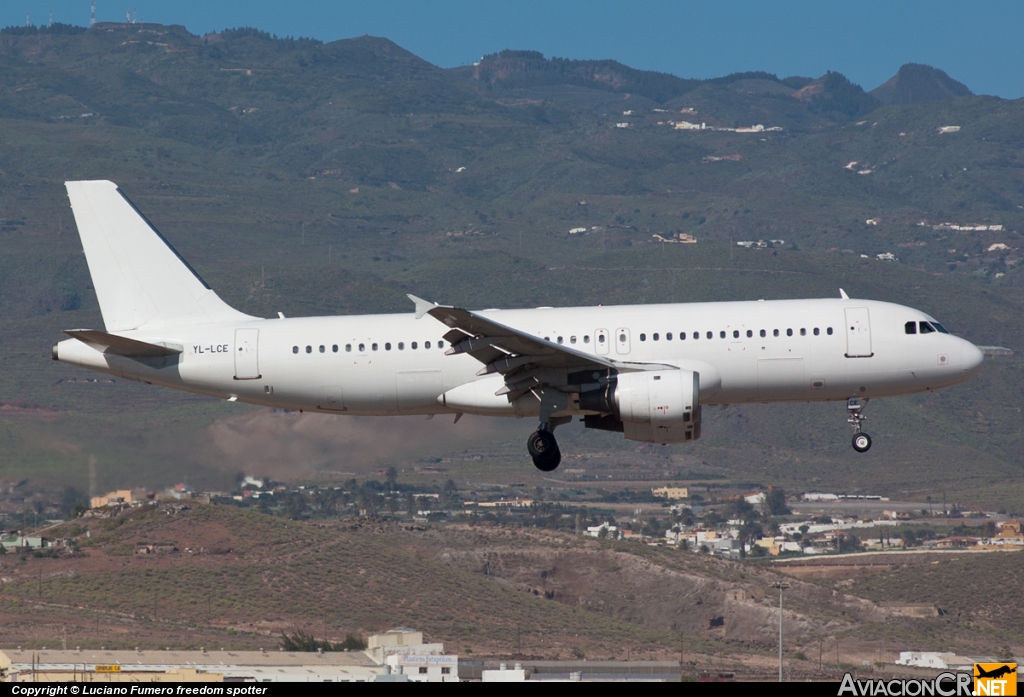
(519, 356)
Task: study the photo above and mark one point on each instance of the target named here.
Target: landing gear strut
(861, 440)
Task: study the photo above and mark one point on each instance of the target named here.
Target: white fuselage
(761, 351)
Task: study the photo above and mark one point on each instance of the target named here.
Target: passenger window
(413, 346)
(426, 344)
(348, 348)
(735, 333)
(816, 331)
(600, 339)
(696, 336)
(387, 346)
(750, 333)
(655, 337)
(710, 335)
(560, 340)
(334, 348)
(572, 340)
(362, 348)
(721, 335)
(309, 349)
(763, 334)
(586, 338)
(668, 337)
(401, 346)
(643, 337)
(829, 331)
(775, 332)
(910, 327)
(622, 338)
(789, 332)
(295, 349)
(682, 336)
(373, 346)
(322, 349)
(803, 331)
(926, 328)
(440, 344)
(547, 338)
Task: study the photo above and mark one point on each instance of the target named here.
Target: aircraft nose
(971, 358)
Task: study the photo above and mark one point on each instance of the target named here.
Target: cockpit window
(941, 329)
(926, 328)
(910, 327)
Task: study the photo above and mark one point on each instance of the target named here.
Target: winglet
(422, 306)
(843, 295)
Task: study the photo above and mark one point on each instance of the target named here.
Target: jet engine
(656, 406)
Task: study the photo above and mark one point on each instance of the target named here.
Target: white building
(424, 668)
(811, 496)
(504, 674)
(925, 659)
(610, 531)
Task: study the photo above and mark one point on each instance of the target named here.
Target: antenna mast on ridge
(92, 19)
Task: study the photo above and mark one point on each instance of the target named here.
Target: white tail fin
(140, 279)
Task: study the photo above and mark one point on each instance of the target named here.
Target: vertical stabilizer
(140, 280)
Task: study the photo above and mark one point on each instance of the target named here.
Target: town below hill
(565, 581)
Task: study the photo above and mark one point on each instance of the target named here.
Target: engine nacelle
(658, 406)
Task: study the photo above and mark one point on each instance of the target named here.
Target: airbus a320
(643, 370)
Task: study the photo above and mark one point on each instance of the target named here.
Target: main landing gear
(861, 440)
(543, 447)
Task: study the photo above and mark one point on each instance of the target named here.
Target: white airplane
(642, 370)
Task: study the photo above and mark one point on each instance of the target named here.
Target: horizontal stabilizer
(121, 346)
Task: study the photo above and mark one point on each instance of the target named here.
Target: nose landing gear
(861, 440)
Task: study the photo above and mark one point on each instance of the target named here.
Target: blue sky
(867, 40)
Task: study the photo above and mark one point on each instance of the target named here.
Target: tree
(450, 492)
(749, 533)
(741, 509)
(850, 543)
(71, 500)
(775, 500)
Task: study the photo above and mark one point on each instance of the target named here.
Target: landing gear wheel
(861, 442)
(544, 450)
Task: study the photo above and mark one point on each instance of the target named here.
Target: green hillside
(334, 178)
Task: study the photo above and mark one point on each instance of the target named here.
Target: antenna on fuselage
(843, 295)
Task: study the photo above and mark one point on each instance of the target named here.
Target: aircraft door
(601, 341)
(858, 333)
(622, 340)
(246, 359)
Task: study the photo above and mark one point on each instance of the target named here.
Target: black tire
(544, 450)
(861, 442)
